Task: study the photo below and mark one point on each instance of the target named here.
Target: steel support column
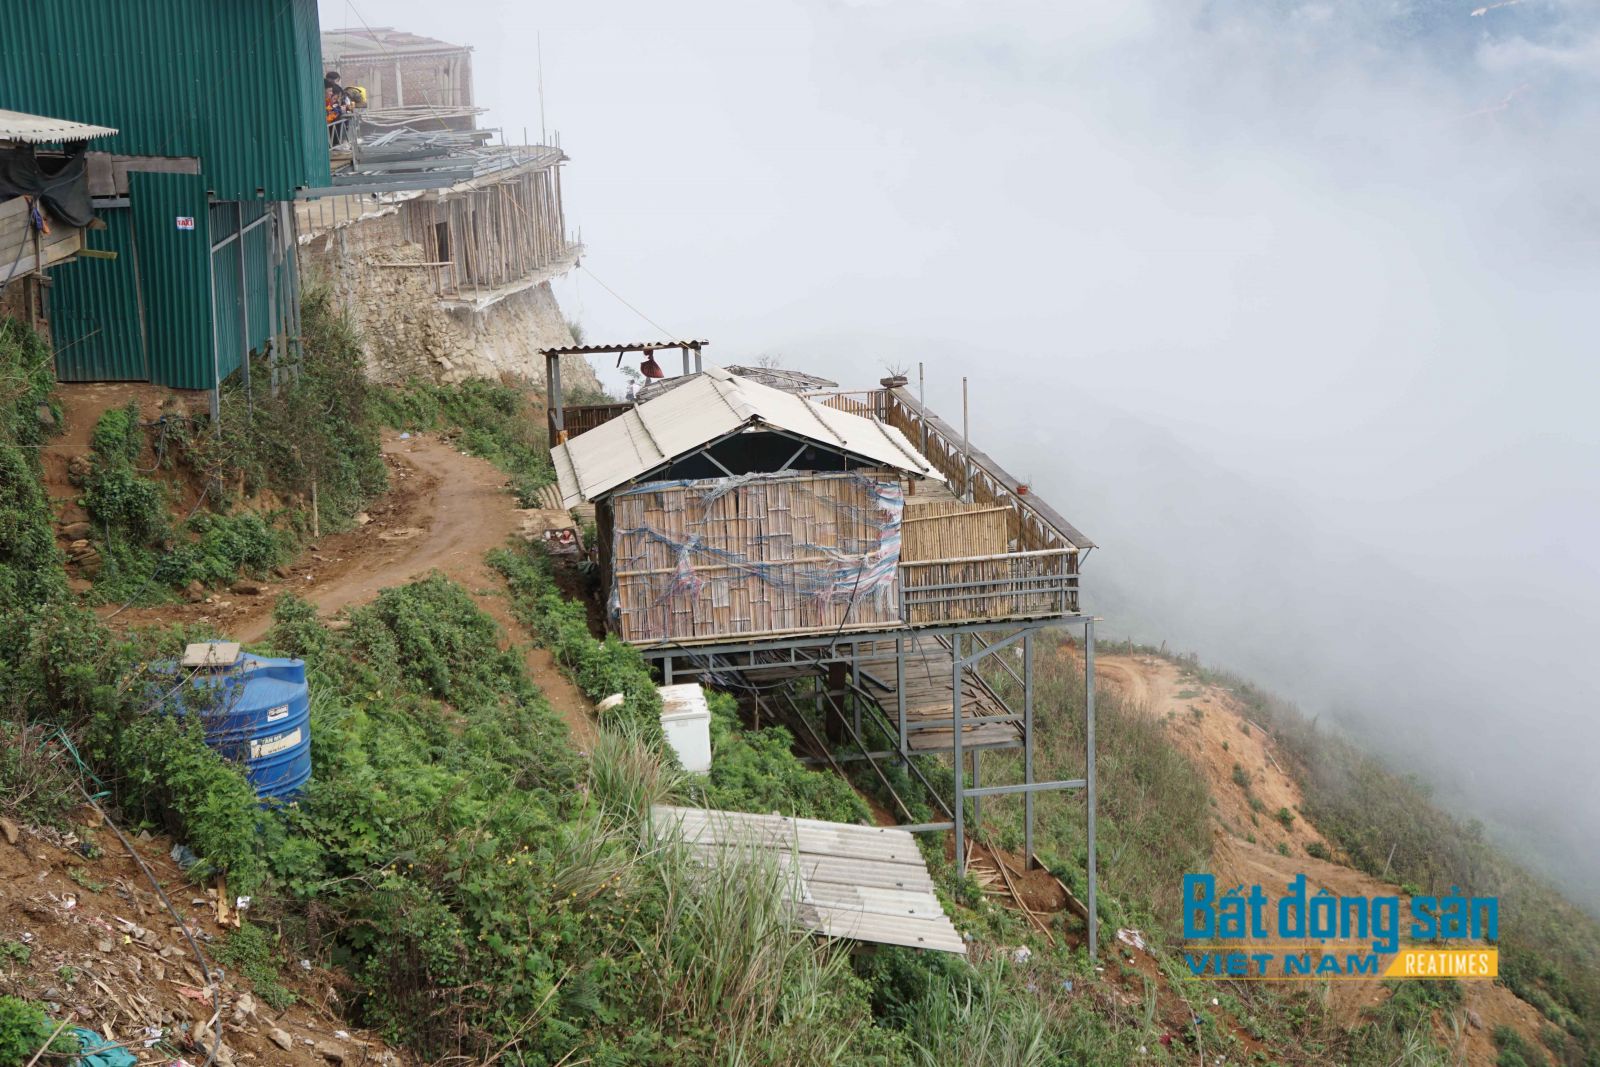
(1027, 746)
(977, 784)
(959, 767)
(1089, 779)
(900, 695)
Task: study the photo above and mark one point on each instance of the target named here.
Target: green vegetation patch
(25, 1029)
(499, 423)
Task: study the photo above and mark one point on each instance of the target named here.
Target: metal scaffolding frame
(731, 665)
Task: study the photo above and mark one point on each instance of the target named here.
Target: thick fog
(1290, 306)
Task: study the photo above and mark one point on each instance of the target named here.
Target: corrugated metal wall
(174, 276)
(94, 309)
(231, 299)
(236, 83)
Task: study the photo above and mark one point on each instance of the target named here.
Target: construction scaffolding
(925, 692)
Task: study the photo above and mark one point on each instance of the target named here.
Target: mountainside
(465, 878)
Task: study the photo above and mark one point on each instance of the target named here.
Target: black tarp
(60, 182)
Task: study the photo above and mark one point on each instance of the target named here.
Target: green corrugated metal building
(235, 88)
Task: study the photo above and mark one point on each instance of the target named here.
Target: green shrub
(252, 951)
(599, 667)
(756, 770)
(1516, 1050)
(30, 562)
(166, 773)
(225, 545)
(38, 778)
(24, 1029)
(1317, 850)
(118, 437)
(315, 430)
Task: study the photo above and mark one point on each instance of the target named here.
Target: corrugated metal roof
(37, 129)
(629, 346)
(790, 381)
(867, 883)
(709, 408)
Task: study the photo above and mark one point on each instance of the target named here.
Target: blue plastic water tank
(257, 712)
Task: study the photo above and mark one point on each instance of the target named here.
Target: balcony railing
(1015, 585)
(976, 477)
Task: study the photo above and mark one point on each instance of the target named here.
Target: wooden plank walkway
(928, 695)
(866, 883)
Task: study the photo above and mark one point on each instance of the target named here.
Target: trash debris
(342, 1035)
(1066, 985)
(183, 856)
(305, 965)
(96, 1051)
(242, 903)
(1134, 938)
(406, 436)
(153, 1036)
(1022, 955)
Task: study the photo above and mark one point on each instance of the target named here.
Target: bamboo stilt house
(728, 509)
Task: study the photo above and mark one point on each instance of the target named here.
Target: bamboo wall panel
(756, 554)
(949, 529)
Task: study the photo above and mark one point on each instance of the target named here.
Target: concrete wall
(408, 334)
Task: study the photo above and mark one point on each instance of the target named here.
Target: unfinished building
(445, 242)
(841, 560)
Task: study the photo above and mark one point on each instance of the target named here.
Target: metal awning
(37, 129)
(866, 883)
(714, 405)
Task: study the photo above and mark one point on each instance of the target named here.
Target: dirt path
(444, 512)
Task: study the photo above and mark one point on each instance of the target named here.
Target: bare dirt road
(445, 511)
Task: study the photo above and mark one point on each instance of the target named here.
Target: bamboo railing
(1012, 585)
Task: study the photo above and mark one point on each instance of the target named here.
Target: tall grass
(727, 958)
(627, 774)
(979, 1023)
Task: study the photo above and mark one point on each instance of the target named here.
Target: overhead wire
(671, 335)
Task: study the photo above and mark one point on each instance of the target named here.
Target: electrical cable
(600, 282)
